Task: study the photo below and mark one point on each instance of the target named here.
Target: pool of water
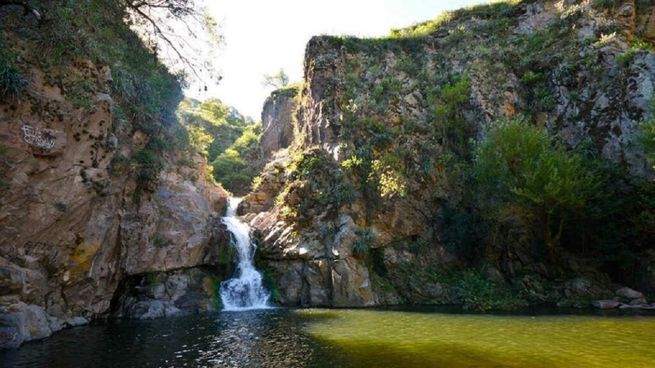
(350, 338)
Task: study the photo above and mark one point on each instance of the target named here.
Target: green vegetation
(237, 166)
(316, 185)
(647, 139)
(495, 11)
(226, 138)
(12, 80)
(213, 126)
(72, 50)
(278, 80)
(605, 4)
(480, 294)
(452, 128)
(362, 245)
(60, 206)
(159, 242)
(519, 166)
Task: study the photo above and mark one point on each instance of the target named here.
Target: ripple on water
(349, 338)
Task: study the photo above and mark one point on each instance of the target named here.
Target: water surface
(349, 338)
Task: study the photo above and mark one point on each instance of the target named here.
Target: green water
(402, 339)
(348, 339)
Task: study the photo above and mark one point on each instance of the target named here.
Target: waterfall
(245, 291)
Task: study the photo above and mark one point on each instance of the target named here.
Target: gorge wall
(373, 205)
(99, 212)
(370, 194)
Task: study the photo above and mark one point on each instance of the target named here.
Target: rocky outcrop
(278, 121)
(166, 294)
(625, 298)
(311, 272)
(71, 227)
(374, 101)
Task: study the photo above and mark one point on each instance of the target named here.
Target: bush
(237, 167)
(316, 185)
(363, 243)
(12, 80)
(480, 294)
(452, 128)
(60, 206)
(233, 172)
(647, 139)
(520, 165)
(159, 242)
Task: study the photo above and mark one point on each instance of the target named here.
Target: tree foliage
(180, 32)
(277, 81)
(520, 166)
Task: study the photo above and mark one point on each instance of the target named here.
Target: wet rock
(166, 294)
(627, 293)
(25, 322)
(606, 304)
(77, 321)
(577, 287)
(639, 301)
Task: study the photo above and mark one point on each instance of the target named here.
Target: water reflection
(349, 339)
(265, 338)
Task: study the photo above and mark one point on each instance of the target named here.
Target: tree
(175, 29)
(520, 166)
(277, 81)
(179, 32)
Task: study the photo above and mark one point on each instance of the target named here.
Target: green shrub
(519, 165)
(237, 167)
(316, 185)
(362, 245)
(480, 294)
(159, 242)
(12, 79)
(60, 206)
(451, 127)
(233, 172)
(530, 78)
(149, 163)
(647, 139)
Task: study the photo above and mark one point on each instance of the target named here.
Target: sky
(262, 36)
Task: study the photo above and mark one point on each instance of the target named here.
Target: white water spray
(245, 291)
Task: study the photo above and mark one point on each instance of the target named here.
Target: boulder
(627, 293)
(606, 304)
(22, 322)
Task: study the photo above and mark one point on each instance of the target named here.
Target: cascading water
(245, 291)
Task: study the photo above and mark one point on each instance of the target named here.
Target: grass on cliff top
(495, 10)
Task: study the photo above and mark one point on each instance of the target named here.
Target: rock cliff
(368, 206)
(88, 217)
(278, 121)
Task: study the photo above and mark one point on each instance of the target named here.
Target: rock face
(313, 272)
(71, 230)
(278, 121)
(369, 102)
(166, 294)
